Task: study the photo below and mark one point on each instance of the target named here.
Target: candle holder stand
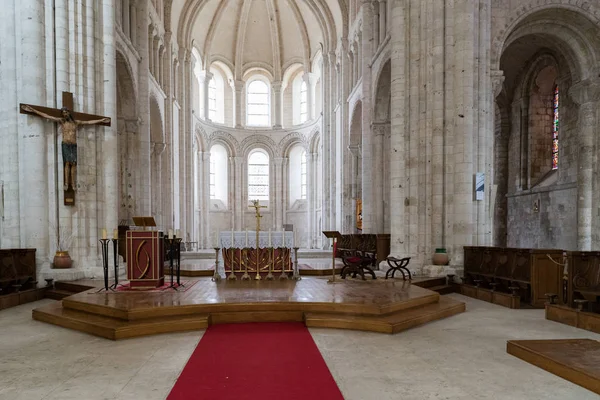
(246, 276)
(172, 243)
(231, 276)
(216, 276)
(116, 263)
(104, 243)
(296, 275)
(270, 275)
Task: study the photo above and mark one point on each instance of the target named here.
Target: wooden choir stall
(145, 255)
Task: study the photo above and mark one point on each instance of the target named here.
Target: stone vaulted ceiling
(272, 34)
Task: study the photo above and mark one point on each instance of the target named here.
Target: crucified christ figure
(69, 143)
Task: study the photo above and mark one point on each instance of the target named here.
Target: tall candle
(218, 233)
(270, 245)
(170, 233)
(294, 245)
(103, 233)
(247, 239)
(115, 233)
(232, 237)
(177, 233)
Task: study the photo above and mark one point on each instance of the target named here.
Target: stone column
(376, 25)
(379, 130)
(277, 105)
(206, 200)
(133, 25)
(239, 117)
(26, 187)
(126, 21)
(207, 77)
(310, 195)
(278, 183)
(382, 20)
(369, 169)
(586, 94)
(239, 202)
(398, 173)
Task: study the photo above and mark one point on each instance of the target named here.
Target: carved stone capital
(238, 161)
(355, 150)
(497, 82)
(586, 91)
(158, 148)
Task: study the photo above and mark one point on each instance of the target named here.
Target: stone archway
(536, 206)
(381, 145)
(128, 144)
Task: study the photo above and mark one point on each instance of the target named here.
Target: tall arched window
(218, 173)
(258, 105)
(258, 176)
(303, 102)
(212, 100)
(555, 129)
(297, 174)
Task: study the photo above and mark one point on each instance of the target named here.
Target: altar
(242, 253)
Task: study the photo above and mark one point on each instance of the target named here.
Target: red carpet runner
(262, 361)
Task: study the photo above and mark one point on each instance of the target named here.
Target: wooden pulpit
(145, 255)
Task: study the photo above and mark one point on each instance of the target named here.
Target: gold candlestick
(332, 280)
(231, 276)
(245, 277)
(284, 275)
(270, 275)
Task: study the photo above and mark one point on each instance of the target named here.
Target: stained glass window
(555, 129)
(303, 176)
(258, 176)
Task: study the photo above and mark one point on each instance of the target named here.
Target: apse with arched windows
(543, 142)
(256, 100)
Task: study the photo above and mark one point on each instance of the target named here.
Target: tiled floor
(463, 357)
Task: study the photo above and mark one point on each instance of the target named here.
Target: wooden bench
(528, 274)
(17, 270)
(375, 247)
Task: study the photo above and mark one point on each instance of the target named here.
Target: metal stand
(284, 275)
(216, 276)
(270, 275)
(296, 276)
(246, 276)
(116, 263)
(172, 243)
(332, 280)
(231, 276)
(104, 243)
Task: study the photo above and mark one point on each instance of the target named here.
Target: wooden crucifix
(69, 121)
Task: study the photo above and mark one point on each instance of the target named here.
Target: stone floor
(462, 357)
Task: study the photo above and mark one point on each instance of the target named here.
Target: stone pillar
(398, 173)
(207, 77)
(310, 195)
(378, 199)
(26, 188)
(369, 169)
(586, 94)
(376, 25)
(133, 25)
(239, 117)
(277, 105)
(279, 187)
(239, 203)
(206, 244)
(382, 20)
(126, 21)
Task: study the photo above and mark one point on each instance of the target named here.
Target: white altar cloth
(248, 239)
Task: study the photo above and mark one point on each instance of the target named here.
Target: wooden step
(428, 283)
(112, 328)
(57, 294)
(390, 323)
(443, 289)
(72, 287)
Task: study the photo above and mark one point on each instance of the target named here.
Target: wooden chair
(355, 263)
(398, 264)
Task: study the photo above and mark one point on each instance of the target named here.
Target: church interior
(329, 199)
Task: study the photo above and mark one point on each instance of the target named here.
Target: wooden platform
(576, 360)
(570, 316)
(374, 305)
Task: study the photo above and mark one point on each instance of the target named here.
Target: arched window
(212, 100)
(297, 174)
(303, 102)
(258, 176)
(555, 129)
(218, 173)
(258, 105)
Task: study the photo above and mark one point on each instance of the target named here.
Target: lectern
(335, 236)
(145, 255)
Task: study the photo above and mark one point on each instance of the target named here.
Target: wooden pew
(511, 276)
